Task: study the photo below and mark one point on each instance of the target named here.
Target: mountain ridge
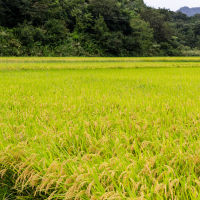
(189, 11)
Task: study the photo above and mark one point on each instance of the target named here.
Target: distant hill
(190, 11)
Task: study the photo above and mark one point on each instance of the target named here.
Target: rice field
(100, 128)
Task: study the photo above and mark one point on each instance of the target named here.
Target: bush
(55, 32)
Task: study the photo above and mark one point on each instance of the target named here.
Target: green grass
(100, 131)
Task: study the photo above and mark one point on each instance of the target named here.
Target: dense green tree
(93, 27)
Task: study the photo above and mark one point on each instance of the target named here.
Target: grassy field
(99, 128)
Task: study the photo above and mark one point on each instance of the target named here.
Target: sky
(173, 5)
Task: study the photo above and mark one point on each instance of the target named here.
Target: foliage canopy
(93, 28)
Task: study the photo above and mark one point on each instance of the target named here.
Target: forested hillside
(190, 11)
(94, 28)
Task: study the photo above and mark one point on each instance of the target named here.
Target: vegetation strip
(95, 59)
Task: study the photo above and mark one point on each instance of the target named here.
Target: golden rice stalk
(107, 195)
(3, 172)
(78, 196)
(197, 182)
(49, 185)
(171, 185)
(51, 195)
(159, 187)
(71, 192)
(88, 190)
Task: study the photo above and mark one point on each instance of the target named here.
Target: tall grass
(130, 133)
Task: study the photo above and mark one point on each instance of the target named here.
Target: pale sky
(173, 5)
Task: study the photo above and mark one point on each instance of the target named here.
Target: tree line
(94, 28)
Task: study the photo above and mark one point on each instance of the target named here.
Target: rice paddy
(100, 128)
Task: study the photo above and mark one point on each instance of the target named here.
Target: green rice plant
(107, 129)
(96, 59)
(93, 65)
